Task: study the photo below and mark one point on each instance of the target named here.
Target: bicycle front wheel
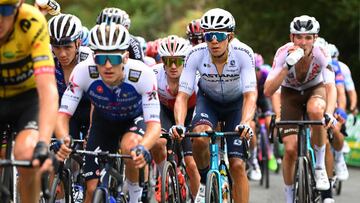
(265, 161)
(169, 184)
(212, 188)
(302, 186)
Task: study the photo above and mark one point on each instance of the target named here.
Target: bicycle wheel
(212, 188)
(99, 196)
(169, 184)
(338, 185)
(264, 162)
(302, 187)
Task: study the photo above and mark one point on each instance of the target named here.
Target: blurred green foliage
(262, 24)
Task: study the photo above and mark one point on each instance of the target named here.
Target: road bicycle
(218, 181)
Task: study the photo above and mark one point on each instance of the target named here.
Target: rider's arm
(62, 125)
(276, 103)
(353, 99)
(249, 106)
(329, 81)
(341, 96)
(48, 97)
(180, 108)
(277, 74)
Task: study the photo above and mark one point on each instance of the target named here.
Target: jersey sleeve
(188, 75)
(279, 61)
(150, 100)
(74, 91)
(247, 71)
(349, 83)
(40, 40)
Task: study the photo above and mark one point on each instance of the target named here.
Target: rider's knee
(237, 166)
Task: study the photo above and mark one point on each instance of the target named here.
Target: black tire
(55, 183)
(65, 183)
(338, 186)
(212, 188)
(169, 184)
(99, 196)
(264, 162)
(302, 188)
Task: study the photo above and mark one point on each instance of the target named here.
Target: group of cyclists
(118, 91)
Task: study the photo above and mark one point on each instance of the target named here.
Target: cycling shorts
(292, 105)
(209, 112)
(105, 135)
(168, 120)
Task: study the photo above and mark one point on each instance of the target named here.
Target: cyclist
(263, 103)
(85, 36)
(147, 59)
(119, 16)
(194, 32)
(227, 92)
(173, 50)
(305, 77)
(28, 89)
(65, 39)
(124, 94)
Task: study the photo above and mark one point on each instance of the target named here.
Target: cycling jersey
(135, 50)
(349, 83)
(238, 75)
(318, 71)
(136, 95)
(166, 97)
(339, 77)
(84, 53)
(25, 54)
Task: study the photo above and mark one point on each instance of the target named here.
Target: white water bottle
(294, 56)
(52, 6)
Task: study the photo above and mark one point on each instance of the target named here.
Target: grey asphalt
(350, 192)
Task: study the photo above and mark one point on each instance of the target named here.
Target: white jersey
(149, 61)
(135, 96)
(238, 75)
(349, 83)
(318, 71)
(165, 96)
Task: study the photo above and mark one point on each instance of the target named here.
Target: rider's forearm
(249, 106)
(48, 103)
(152, 134)
(276, 103)
(62, 125)
(330, 98)
(274, 80)
(180, 108)
(353, 99)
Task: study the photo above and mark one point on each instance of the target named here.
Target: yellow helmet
(7, 2)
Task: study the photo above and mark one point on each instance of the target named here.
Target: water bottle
(294, 56)
(51, 6)
(225, 185)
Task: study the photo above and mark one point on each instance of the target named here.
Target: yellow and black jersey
(25, 54)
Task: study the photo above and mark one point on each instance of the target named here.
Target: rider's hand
(329, 120)
(41, 157)
(245, 131)
(141, 156)
(65, 149)
(178, 131)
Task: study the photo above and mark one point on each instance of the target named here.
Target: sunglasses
(219, 36)
(169, 61)
(7, 10)
(114, 59)
(196, 39)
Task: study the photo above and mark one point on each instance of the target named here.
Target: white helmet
(304, 25)
(115, 15)
(334, 52)
(173, 46)
(321, 42)
(109, 37)
(64, 28)
(218, 19)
